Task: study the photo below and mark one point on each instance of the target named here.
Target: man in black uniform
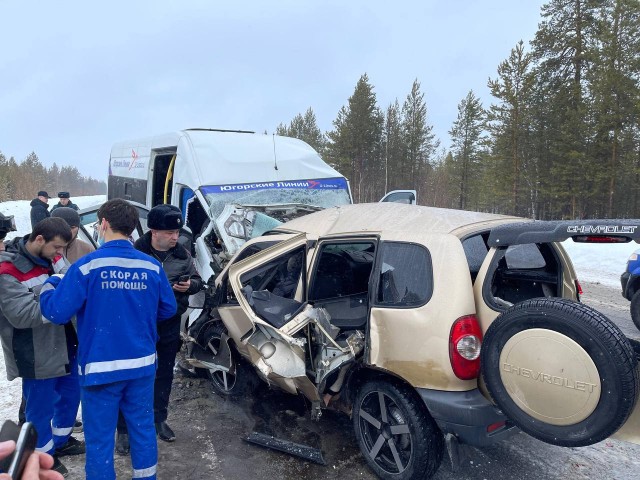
(161, 242)
(65, 201)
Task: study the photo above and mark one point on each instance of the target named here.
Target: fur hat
(63, 194)
(164, 217)
(69, 215)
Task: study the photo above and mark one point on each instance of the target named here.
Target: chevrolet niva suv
(426, 325)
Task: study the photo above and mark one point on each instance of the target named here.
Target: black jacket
(178, 262)
(39, 211)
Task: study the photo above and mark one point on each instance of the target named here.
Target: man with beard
(42, 353)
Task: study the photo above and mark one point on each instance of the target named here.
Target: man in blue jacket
(118, 295)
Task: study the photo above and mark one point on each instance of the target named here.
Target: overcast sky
(77, 76)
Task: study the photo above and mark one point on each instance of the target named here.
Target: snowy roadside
(600, 263)
(20, 209)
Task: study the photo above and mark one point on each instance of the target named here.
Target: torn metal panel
(209, 359)
(303, 451)
(330, 358)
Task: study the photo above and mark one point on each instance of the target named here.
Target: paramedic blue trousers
(100, 405)
(52, 406)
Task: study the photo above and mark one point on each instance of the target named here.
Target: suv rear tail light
(464, 347)
(578, 289)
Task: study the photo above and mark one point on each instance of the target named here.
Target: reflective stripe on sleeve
(113, 365)
(35, 281)
(46, 287)
(118, 262)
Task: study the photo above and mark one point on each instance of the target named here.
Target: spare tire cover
(560, 370)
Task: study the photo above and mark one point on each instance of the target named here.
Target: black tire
(395, 433)
(226, 384)
(635, 309)
(596, 338)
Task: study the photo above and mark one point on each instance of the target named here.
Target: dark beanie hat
(164, 217)
(69, 215)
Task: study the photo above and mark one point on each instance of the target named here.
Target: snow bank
(21, 210)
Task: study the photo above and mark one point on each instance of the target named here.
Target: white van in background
(230, 185)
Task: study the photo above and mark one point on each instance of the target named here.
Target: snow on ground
(600, 263)
(594, 263)
(21, 210)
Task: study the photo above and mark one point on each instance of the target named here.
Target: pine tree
(508, 121)
(420, 141)
(615, 93)
(466, 145)
(306, 129)
(394, 148)
(356, 142)
(562, 46)
(4, 178)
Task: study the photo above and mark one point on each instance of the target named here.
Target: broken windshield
(322, 193)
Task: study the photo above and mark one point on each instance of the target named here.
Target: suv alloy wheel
(396, 435)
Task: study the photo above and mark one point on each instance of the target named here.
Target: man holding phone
(161, 242)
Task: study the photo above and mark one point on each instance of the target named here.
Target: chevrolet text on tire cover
(561, 371)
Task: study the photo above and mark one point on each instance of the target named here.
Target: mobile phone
(184, 278)
(26, 439)
(9, 431)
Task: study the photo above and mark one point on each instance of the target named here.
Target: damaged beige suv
(427, 326)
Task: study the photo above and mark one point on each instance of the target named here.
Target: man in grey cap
(76, 248)
(39, 207)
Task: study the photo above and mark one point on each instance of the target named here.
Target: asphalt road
(210, 432)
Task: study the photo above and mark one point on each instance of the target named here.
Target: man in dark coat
(161, 242)
(64, 201)
(39, 207)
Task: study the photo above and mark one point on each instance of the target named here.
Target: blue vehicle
(630, 280)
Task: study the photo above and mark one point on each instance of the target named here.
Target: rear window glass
(524, 256)
(406, 276)
(475, 250)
